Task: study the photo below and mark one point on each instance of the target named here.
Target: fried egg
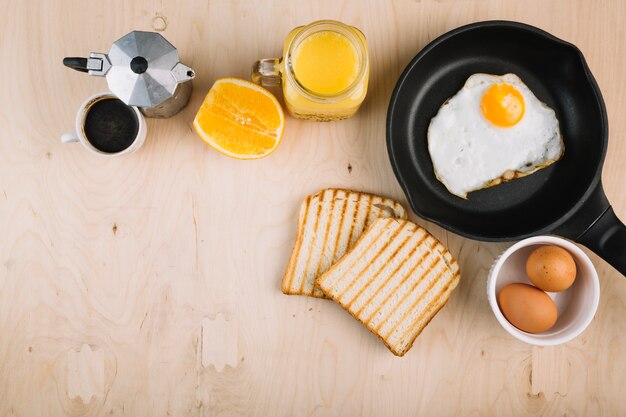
(493, 130)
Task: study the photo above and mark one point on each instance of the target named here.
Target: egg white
(469, 152)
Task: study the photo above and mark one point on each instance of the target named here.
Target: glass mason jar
(343, 55)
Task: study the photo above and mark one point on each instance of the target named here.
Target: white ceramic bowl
(576, 306)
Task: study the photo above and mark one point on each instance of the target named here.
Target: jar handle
(266, 72)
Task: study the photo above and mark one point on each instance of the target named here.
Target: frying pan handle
(607, 238)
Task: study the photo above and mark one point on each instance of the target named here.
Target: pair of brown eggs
(550, 268)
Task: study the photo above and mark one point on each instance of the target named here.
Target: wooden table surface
(149, 285)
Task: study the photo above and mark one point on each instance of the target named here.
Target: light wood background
(149, 285)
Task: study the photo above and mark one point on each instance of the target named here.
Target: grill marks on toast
(396, 306)
(377, 273)
(308, 258)
(354, 221)
(389, 277)
(346, 225)
(370, 318)
(302, 220)
(329, 258)
(329, 223)
(324, 248)
(366, 217)
(359, 257)
(344, 206)
(332, 208)
(421, 296)
(376, 256)
(406, 276)
(436, 304)
(394, 287)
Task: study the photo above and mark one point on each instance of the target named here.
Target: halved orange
(240, 119)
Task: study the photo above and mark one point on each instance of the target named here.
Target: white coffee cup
(80, 136)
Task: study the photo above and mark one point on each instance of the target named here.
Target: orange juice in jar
(324, 71)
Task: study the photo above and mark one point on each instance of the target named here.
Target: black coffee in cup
(110, 125)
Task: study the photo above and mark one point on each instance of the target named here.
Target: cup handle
(69, 137)
(266, 72)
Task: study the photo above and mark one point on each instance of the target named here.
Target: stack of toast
(359, 250)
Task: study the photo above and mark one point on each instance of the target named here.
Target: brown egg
(551, 268)
(527, 307)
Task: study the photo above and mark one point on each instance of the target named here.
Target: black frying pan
(565, 198)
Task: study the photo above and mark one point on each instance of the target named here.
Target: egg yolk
(503, 105)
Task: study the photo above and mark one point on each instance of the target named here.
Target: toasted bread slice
(394, 280)
(329, 224)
